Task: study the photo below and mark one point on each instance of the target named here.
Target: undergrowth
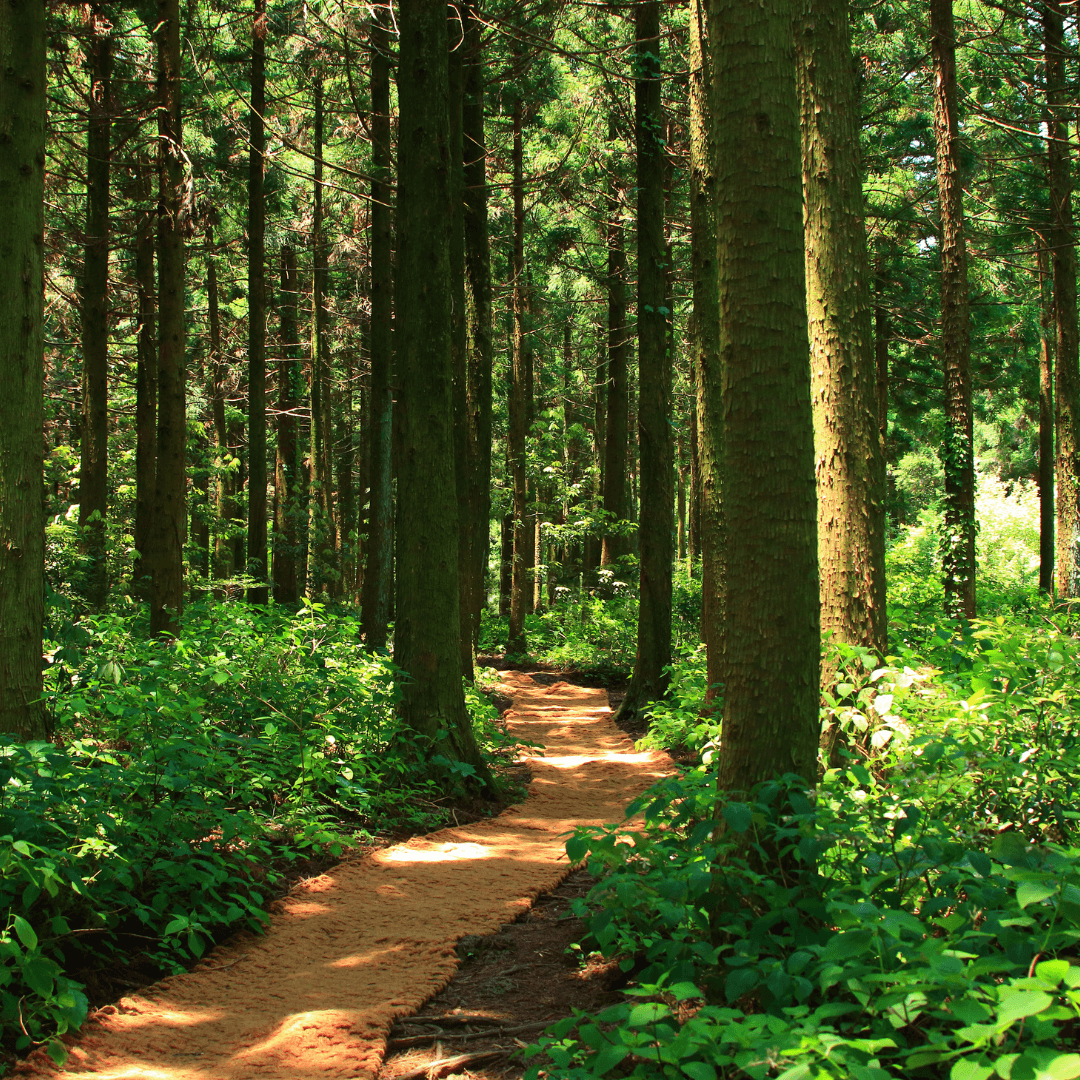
(916, 914)
(181, 780)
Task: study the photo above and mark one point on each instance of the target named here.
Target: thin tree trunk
(705, 338)
(1063, 265)
(287, 504)
(770, 666)
(22, 363)
(257, 561)
(1046, 420)
(848, 446)
(345, 511)
(616, 435)
(521, 586)
(225, 483)
(882, 336)
(478, 300)
(323, 527)
(94, 466)
(146, 389)
(377, 570)
(957, 450)
(506, 564)
(427, 629)
(681, 477)
(650, 679)
(169, 525)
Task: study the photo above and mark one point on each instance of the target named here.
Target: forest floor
(352, 952)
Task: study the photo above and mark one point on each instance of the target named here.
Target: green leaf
(26, 933)
(1034, 892)
(649, 1013)
(38, 974)
(698, 1070)
(577, 847)
(1062, 1067)
(179, 922)
(738, 816)
(971, 1069)
(220, 677)
(847, 945)
(1052, 971)
(685, 991)
(608, 1058)
(1017, 1004)
(796, 1072)
(740, 981)
(57, 1051)
(980, 863)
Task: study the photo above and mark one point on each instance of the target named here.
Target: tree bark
(257, 561)
(649, 680)
(1063, 267)
(521, 582)
(848, 445)
(169, 524)
(616, 435)
(705, 337)
(146, 389)
(323, 527)
(22, 364)
(957, 450)
(377, 571)
(770, 665)
(1046, 420)
(478, 312)
(427, 630)
(94, 464)
(287, 503)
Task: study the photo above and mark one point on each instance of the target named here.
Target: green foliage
(916, 915)
(182, 779)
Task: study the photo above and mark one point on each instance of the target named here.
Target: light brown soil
(371, 941)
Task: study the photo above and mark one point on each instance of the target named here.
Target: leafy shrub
(181, 776)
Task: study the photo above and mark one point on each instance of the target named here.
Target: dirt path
(372, 940)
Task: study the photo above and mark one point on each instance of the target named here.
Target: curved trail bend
(373, 939)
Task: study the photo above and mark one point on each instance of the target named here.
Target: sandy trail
(373, 939)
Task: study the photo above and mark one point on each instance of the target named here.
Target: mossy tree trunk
(649, 680)
(169, 524)
(22, 363)
(770, 665)
(428, 627)
(957, 451)
(847, 439)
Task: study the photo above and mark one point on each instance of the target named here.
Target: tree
(957, 452)
(649, 680)
(168, 527)
(770, 665)
(257, 563)
(377, 571)
(22, 346)
(1063, 270)
(94, 470)
(847, 437)
(427, 628)
(288, 506)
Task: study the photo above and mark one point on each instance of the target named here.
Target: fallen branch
(408, 1041)
(434, 1069)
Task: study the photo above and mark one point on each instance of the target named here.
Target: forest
(724, 355)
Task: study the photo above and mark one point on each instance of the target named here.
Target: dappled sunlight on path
(373, 939)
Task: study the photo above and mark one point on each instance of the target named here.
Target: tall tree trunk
(345, 511)
(257, 562)
(1063, 266)
(94, 466)
(957, 450)
(478, 309)
(377, 570)
(426, 639)
(323, 527)
(146, 362)
(459, 347)
(770, 666)
(705, 339)
(521, 584)
(287, 503)
(1046, 420)
(682, 474)
(882, 337)
(649, 680)
(225, 474)
(848, 446)
(169, 525)
(22, 365)
(616, 435)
